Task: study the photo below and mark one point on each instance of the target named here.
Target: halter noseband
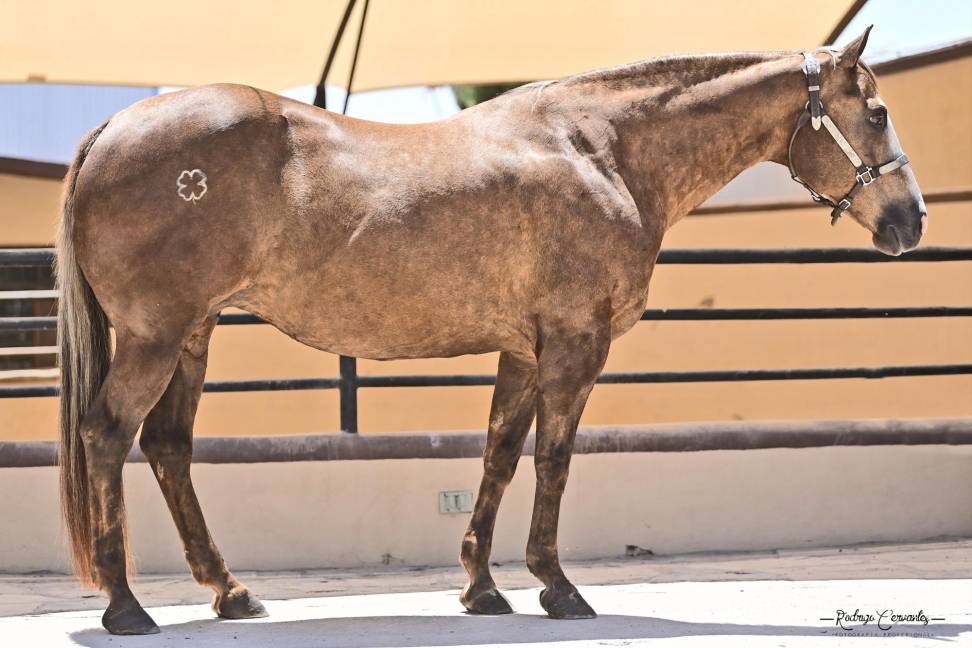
(816, 115)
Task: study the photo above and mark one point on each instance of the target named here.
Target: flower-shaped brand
(191, 185)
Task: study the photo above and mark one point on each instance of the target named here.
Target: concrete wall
(339, 513)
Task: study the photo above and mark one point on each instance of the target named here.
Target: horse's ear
(851, 52)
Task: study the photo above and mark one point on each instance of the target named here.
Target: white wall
(345, 513)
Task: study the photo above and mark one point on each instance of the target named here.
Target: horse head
(845, 151)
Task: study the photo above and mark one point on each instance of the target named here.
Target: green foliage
(470, 95)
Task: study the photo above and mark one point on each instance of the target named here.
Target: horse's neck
(686, 127)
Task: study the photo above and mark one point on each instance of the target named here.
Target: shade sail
(283, 44)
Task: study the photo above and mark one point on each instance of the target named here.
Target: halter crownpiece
(816, 115)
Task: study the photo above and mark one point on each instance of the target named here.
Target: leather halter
(817, 116)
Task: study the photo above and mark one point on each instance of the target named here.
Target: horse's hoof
(486, 602)
(238, 604)
(566, 604)
(128, 619)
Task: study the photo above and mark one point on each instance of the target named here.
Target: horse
(528, 225)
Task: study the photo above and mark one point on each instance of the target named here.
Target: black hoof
(566, 604)
(128, 619)
(486, 602)
(238, 604)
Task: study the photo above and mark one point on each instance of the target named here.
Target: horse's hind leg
(139, 372)
(514, 403)
(166, 441)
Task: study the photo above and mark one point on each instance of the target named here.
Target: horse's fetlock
(470, 545)
(538, 562)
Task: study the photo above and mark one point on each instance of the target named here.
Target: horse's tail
(85, 353)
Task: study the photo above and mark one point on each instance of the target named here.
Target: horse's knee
(552, 467)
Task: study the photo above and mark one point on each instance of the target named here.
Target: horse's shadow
(414, 631)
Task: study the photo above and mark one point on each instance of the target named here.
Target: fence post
(348, 390)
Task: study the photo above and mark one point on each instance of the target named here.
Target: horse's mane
(690, 68)
(686, 70)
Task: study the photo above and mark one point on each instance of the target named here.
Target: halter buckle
(844, 204)
(866, 177)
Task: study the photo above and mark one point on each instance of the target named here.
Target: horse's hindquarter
(175, 200)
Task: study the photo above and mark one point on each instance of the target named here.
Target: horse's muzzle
(900, 231)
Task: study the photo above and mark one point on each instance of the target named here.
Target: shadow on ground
(414, 631)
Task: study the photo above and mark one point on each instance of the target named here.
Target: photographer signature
(883, 620)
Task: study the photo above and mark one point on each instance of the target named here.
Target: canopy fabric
(283, 44)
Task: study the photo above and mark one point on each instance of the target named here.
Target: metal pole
(348, 391)
(349, 366)
(320, 98)
(354, 59)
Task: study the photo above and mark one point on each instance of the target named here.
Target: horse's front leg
(568, 364)
(510, 416)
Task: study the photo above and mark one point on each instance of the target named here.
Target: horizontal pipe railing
(348, 382)
(809, 255)
(702, 256)
(653, 315)
(659, 437)
(474, 380)
(741, 314)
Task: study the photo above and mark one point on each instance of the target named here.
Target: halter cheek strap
(817, 117)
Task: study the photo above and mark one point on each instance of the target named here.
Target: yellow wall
(28, 210)
(929, 109)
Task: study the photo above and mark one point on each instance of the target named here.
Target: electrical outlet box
(455, 501)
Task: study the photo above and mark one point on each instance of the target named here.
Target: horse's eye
(878, 119)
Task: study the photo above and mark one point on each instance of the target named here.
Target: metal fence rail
(348, 381)
(657, 437)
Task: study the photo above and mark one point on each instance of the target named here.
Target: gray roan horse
(527, 225)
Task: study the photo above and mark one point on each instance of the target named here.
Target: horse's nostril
(923, 223)
(894, 235)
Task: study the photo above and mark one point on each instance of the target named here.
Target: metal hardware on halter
(811, 68)
(817, 116)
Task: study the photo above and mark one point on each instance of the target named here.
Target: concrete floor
(780, 598)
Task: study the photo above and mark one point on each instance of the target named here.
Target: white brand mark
(191, 185)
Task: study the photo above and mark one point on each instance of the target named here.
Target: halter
(816, 115)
